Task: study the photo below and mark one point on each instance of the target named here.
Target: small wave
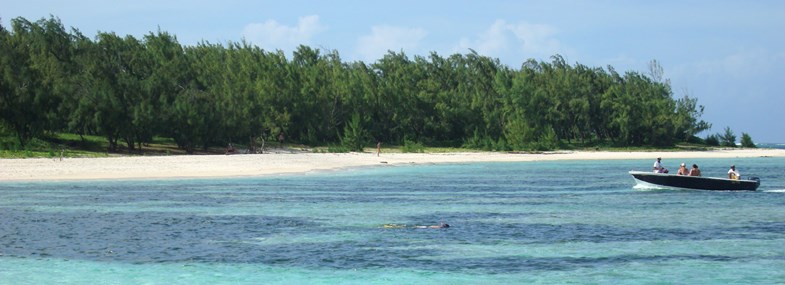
(640, 186)
(775, 190)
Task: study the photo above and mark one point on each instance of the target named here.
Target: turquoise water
(568, 222)
(772, 145)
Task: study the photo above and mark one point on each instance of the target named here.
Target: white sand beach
(205, 166)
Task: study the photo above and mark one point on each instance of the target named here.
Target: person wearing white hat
(657, 168)
(683, 170)
(733, 173)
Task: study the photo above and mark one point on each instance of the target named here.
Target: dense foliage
(130, 90)
(746, 141)
(712, 140)
(728, 138)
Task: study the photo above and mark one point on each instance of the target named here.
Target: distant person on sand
(378, 148)
(683, 170)
(733, 173)
(280, 139)
(695, 171)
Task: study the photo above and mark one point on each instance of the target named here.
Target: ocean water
(771, 145)
(565, 222)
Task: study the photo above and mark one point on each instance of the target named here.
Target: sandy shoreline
(206, 166)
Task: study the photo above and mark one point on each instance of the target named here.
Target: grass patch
(55, 147)
(73, 145)
(411, 146)
(338, 149)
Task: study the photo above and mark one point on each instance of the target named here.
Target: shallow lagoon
(530, 222)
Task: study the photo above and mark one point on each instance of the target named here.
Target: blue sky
(728, 54)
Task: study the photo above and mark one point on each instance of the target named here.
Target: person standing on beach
(378, 148)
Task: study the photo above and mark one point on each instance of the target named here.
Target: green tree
(34, 57)
(203, 91)
(712, 140)
(746, 141)
(687, 120)
(169, 78)
(728, 138)
(354, 135)
(131, 90)
(115, 90)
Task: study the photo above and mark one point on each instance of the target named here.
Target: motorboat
(673, 181)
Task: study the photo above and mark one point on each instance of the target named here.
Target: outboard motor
(756, 179)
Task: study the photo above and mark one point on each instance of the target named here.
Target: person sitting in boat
(695, 171)
(733, 173)
(657, 166)
(683, 170)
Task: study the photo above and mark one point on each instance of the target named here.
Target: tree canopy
(130, 90)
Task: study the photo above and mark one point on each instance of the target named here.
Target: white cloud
(748, 63)
(535, 38)
(383, 38)
(532, 40)
(272, 35)
(492, 41)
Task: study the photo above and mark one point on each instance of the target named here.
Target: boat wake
(775, 190)
(648, 186)
(641, 186)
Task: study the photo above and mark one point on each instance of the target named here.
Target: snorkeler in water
(399, 226)
(440, 226)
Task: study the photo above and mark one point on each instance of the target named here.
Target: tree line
(130, 90)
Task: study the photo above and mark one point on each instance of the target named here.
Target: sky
(728, 54)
